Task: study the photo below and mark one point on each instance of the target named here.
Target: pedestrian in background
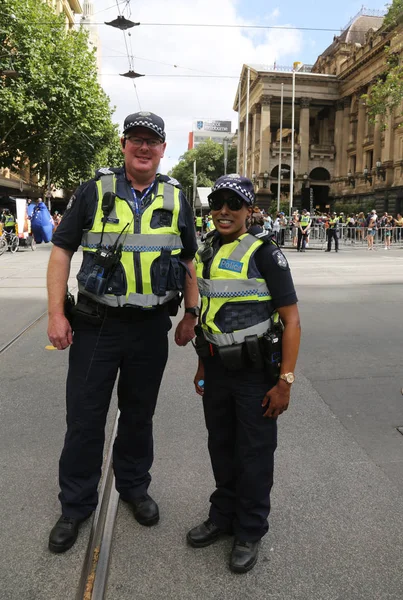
(138, 238)
(331, 232)
(245, 286)
(304, 225)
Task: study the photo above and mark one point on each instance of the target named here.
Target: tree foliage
(387, 92)
(394, 14)
(209, 157)
(55, 104)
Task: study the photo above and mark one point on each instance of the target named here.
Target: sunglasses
(233, 202)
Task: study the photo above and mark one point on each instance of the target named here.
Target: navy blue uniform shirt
(80, 213)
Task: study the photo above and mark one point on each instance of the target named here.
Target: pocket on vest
(170, 277)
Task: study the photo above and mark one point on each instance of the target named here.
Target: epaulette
(105, 171)
(265, 236)
(171, 180)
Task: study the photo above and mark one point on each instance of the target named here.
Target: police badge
(280, 260)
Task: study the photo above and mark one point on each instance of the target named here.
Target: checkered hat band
(145, 124)
(234, 186)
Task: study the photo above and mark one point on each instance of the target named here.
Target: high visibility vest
(10, 221)
(304, 220)
(199, 221)
(333, 222)
(143, 253)
(228, 282)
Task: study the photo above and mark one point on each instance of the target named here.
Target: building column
(241, 146)
(265, 136)
(359, 166)
(345, 136)
(304, 135)
(256, 108)
(377, 140)
(338, 138)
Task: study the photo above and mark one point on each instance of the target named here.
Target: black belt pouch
(254, 353)
(232, 356)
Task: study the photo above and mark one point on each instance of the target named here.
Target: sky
(193, 72)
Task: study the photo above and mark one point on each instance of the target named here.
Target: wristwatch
(193, 310)
(288, 377)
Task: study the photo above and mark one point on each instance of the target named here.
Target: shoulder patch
(280, 259)
(71, 202)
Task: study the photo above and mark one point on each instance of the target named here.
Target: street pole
(292, 142)
(225, 143)
(48, 193)
(280, 148)
(246, 125)
(194, 186)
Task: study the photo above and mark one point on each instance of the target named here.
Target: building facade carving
(338, 151)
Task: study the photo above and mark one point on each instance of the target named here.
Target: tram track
(14, 339)
(94, 573)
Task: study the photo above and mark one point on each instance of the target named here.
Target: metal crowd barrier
(354, 237)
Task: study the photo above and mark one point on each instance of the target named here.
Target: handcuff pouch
(232, 356)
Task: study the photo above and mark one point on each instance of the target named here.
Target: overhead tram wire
(223, 25)
(129, 56)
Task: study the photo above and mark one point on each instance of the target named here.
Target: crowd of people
(351, 227)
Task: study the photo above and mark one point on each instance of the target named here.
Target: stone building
(339, 156)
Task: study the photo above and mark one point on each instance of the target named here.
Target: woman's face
(230, 223)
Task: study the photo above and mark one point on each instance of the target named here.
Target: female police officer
(246, 289)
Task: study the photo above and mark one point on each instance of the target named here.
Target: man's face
(142, 160)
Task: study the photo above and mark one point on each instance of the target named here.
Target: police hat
(242, 186)
(145, 119)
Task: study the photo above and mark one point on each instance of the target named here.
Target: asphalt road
(338, 496)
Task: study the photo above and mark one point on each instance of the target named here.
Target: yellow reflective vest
(149, 272)
(228, 283)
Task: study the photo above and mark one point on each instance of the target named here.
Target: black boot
(243, 556)
(145, 510)
(204, 535)
(64, 534)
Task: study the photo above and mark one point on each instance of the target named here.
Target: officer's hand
(59, 332)
(185, 330)
(278, 398)
(198, 377)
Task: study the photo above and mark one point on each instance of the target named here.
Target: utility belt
(261, 353)
(95, 312)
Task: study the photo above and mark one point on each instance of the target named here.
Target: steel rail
(21, 333)
(94, 574)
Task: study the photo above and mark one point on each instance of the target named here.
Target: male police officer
(304, 224)
(332, 230)
(137, 233)
(9, 221)
(245, 286)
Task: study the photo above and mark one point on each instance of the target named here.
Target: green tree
(387, 92)
(55, 104)
(209, 157)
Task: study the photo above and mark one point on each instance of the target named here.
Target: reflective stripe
(243, 247)
(137, 300)
(169, 198)
(231, 288)
(108, 183)
(151, 242)
(237, 337)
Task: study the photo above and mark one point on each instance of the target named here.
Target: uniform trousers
(302, 239)
(241, 444)
(332, 235)
(132, 343)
